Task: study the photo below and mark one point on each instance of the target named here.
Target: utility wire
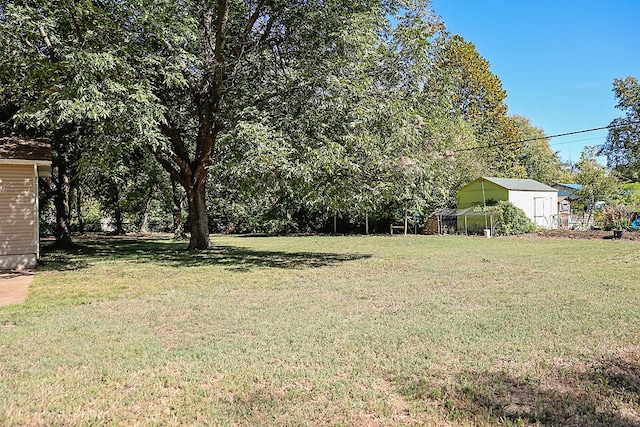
(573, 141)
(501, 144)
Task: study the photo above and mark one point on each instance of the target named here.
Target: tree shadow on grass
(172, 253)
(605, 392)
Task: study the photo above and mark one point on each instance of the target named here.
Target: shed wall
(539, 206)
(471, 195)
(18, 216)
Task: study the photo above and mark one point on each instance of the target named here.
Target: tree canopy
(281, 107)
(622, 147)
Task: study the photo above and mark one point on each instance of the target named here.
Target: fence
(574, 221)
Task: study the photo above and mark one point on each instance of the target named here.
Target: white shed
(538, 201)
(21, 163)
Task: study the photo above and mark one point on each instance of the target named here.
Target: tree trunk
(144, 224)
(119, 222)
(79, 210)
(198, 217)
(178, 199)
(406, 221)
(366, 222)
(61, 202)
(192, 173)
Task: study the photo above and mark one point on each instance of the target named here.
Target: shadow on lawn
(601, 393)
(173, 253)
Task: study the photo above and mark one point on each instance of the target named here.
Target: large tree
(196, 72)
(598, 184)
(477, 95)
(622, 147)
(62, 70)
(536, 157)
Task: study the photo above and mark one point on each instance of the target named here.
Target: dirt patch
(578, 234)
(14, 287)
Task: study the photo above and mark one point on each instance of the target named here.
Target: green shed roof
(519, 184)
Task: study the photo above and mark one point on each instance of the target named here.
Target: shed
(568, 217)
(567, 193)
(538, 201)
(22, 161)
(441, 221)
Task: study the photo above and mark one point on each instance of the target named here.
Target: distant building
(567, 192)
(538, 201)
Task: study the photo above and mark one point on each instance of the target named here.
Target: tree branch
(221, 30)
(47, 43)
(179, 154)
(247, 30)
(74, 19)
(159, 154)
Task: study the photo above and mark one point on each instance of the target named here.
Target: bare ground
(579, 234)
(14, 286)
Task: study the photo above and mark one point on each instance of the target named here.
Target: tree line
(258, 115)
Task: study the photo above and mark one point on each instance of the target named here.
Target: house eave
(44, 166)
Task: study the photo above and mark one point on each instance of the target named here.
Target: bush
(617, 217)
(512, 220)
(509, 219)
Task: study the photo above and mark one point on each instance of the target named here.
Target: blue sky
(556, 59)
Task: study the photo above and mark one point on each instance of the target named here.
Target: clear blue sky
(556, 58)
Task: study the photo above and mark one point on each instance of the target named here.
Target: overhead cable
(520, 141)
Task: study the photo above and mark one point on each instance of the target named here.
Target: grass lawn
(327, 331)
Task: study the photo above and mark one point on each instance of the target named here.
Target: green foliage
(285, 112)
(617, 217)
(539, 161)
(598, 184)
(476, 94)
(509, 219)
(629, 196)
(622, 147)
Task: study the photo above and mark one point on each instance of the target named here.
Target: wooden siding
(18, 215)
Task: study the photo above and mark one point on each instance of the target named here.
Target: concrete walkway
(14, 286)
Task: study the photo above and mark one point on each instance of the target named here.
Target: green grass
(327, 331)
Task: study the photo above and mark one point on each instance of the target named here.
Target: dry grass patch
(327, 331)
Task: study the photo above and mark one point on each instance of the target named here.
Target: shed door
(542, 211)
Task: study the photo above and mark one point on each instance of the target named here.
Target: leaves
(345, 105)
(622, 147)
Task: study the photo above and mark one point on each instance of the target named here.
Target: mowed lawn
(321, 330)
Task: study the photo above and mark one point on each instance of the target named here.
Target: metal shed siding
(538, 201)
(539, 206)
(471, 194)
(18, 216)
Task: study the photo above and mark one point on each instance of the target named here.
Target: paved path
(14, 287)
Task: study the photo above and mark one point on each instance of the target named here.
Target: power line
(573, 141)
(520, 141)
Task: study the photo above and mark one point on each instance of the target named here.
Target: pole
(484, 203)
(406, 220)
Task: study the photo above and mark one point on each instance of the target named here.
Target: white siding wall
(18, 216)
(540, 206)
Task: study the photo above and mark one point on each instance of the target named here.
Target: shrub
(509, 219)
(617, 216)
(512, 220)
